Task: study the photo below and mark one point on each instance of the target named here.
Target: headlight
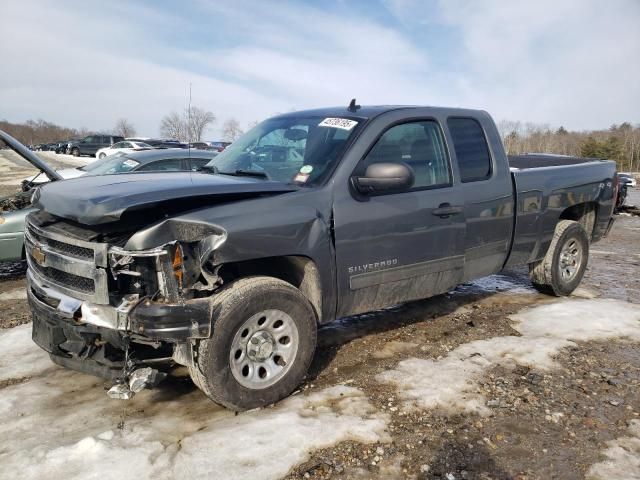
(160, 271)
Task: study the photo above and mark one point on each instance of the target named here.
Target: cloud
(569, 62)
(83, 64)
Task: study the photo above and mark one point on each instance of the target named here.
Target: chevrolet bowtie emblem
(38, 255)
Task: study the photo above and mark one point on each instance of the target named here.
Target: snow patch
(266, 444)
(622, 457)
(62, 425)
(451, 383)
(19, 356)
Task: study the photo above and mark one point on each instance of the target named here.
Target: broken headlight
(158, 272)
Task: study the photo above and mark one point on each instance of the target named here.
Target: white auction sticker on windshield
(342, 123)
(131, 163)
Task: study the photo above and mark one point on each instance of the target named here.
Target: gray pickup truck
(308, 217)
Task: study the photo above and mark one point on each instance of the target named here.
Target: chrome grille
(69, 280)
(74, 267)
(67, 248)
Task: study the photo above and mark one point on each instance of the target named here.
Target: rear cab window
(472, 150)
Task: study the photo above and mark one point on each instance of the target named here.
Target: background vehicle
(125, 146)
(161, 160)
(625, 181)
(201, 146)
(308, 217)
(91, 144)
(161, 143)
(628, 179)
(219, 146)
(174, 159)
(61, 147)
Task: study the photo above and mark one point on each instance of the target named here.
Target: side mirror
(385, 177)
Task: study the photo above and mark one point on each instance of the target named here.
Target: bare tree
(173, 126)
(231, 130)
(197, 121)
(188, 127)
(124, 128)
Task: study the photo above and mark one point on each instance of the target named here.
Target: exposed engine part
(120, 391)
(137, 381)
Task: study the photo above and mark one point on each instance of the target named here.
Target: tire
(263, 341)
(102, 155)
(75, 152)
(561, 270)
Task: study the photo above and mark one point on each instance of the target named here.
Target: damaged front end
(125, 315)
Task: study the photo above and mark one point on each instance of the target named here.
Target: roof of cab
(371, 111)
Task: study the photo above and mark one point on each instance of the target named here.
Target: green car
(12, 234)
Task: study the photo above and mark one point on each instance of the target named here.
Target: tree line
(187, 126)
(620, 142)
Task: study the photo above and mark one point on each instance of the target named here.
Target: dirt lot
(492, 380)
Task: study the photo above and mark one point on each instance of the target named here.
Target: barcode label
(342, 123)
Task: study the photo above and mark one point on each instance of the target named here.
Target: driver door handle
(445, 210)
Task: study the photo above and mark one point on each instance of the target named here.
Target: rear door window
(472, 151)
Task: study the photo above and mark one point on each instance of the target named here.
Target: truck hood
(94, 200)
(29, 156)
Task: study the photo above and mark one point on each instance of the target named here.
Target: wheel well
(299, 271)
(584, 213)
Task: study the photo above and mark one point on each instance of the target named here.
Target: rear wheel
(263, 341)
(561, 270)
(101, 156)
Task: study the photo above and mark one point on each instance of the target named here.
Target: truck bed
(534, 160)
(547, 185)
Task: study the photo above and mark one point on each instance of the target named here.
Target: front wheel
(561, 270)
(263, 341)
(101, 156)
(75, 152)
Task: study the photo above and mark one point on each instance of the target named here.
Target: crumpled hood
(93, 200)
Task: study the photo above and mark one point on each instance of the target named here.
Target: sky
(574, 63)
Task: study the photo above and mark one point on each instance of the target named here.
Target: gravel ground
(533, 422)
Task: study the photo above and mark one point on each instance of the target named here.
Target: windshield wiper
(246, 173)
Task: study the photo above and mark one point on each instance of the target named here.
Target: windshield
(111, 164)
(289, 149)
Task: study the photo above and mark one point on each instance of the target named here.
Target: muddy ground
(542, 424)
